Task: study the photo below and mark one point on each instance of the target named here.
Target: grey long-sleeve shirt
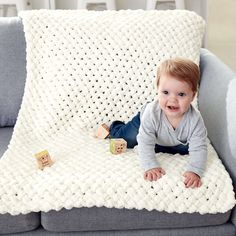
(156, 129)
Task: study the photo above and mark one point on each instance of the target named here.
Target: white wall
(222, 30)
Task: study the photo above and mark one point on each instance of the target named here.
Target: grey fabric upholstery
(233, 217)
(222, 230)
(5, 136)
(12, 67)
(84, 219)
(231, 114)
(215, 80)
(19, 223)
(212, 104)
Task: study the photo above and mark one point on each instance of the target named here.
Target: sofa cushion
(5, 136)
(105, 69)
(12, 67)
(219, 114)
(92, 219)
(18, 223)
(231, 114)
(220, 230)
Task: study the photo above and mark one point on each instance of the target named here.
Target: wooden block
(118, 145)
(102, 131)
(43, 159)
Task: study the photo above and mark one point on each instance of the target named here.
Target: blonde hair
(182, 69)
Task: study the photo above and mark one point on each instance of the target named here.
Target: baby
(169, 124)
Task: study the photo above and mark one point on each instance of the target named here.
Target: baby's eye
(165, 92)
(182, 94)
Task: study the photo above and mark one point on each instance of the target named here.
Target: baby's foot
(102, 131)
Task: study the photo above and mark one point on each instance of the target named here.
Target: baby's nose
(173, 98)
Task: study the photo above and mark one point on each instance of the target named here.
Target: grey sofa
(216, 80)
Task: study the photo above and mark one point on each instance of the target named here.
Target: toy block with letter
(102, 131)
(43, 159)
(118, 145)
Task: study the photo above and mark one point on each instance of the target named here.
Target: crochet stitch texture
(85, 68)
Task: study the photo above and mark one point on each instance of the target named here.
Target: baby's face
(174, 96)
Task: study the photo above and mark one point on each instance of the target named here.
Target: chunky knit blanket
(85, 68)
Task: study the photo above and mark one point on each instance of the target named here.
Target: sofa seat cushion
(18, 223)
(102, 218)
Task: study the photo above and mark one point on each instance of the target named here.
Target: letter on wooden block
(118, 145)
(43, 159)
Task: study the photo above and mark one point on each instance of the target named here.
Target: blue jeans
(129, 132)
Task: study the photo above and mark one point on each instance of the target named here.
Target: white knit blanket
(84, 68)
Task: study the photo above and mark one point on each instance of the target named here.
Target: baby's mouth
(173, 108)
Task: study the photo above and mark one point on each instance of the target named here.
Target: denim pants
(129, 132)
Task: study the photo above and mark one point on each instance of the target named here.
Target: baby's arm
(198, 155)
(146, 146)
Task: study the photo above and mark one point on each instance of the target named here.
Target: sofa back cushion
(12, 67)
(96, 67)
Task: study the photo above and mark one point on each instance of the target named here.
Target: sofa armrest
(217, 104)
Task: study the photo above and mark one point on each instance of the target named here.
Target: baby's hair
(182, 69)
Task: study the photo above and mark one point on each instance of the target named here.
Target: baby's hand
(154, 174)
(192, 180)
